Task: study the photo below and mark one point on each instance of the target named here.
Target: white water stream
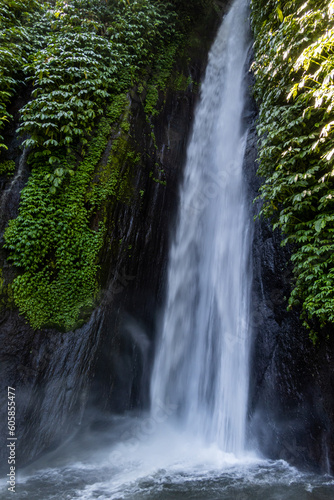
(201, 365)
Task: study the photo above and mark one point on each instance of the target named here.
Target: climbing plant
(294, 69)
(81, 58)
(15, 17)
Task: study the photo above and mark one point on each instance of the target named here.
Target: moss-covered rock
(84, 59)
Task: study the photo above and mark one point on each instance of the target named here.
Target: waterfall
(201, 364)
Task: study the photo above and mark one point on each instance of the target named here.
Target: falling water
(202, 359)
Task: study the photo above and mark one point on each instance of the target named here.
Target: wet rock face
(63, 380)
(50, 372)
(292, 382)
(135, 274)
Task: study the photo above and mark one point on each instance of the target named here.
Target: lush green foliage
(52, 240)
(14, 47)
(81, 57)
(192, 9)
(294, 71)
(7, 167)
(84, 62)
(6, 294)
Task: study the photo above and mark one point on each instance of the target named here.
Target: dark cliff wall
(63, 379)
(291, 381)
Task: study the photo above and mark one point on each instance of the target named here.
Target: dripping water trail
(17, 177)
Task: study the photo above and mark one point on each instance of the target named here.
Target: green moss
(52, 240)
(6, 294)
(114, 177)
(160, 176)
(182, 82)
(160, 77)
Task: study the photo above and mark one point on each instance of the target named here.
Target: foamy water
(167, 464)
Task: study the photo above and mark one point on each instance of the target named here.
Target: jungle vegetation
(294, 71)
(76, 62)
